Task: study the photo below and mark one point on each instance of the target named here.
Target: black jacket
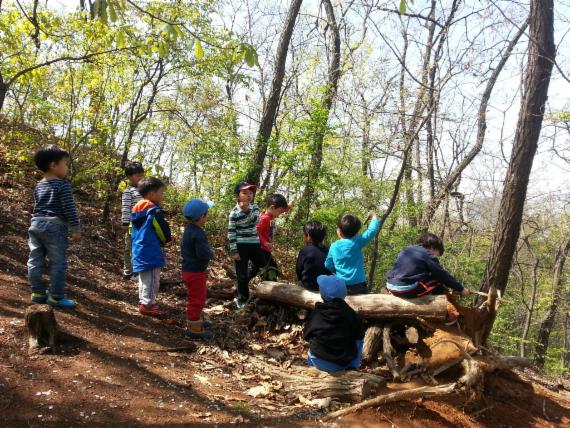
(415, 263)
(310, 264)
(332, 330)
(196, 253)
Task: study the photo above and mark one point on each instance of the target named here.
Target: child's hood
(142, 209)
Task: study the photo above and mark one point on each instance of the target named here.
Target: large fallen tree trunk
(311, 383)
(370, 306)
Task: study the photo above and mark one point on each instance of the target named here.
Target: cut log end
(41, 326)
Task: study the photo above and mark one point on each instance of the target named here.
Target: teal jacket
(345, 258)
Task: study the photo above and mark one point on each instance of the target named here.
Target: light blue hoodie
(345, 258)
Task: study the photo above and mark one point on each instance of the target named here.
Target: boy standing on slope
(276, 205)
(243, 239)
(150, 233)
(345, 258)
(196, 254)
(53, 218)
(134, 172)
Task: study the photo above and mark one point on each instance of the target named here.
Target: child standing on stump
(345, 258)
(54, 217)
(150, 234)
(196, 254)
(334, 330)
(134, 172)
(417, 271)
(243, 239)
(276, 206)
(311, 259)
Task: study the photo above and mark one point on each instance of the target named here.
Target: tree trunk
(541, 55)
(270, 110)
(548, 321)
(454, 176)
(372, 343)
(371, 306)
(308, 195)
(3, 92)
(41, 326)
(530, 309)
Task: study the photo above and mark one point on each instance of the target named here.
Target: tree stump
(41, 326)
(372, 343)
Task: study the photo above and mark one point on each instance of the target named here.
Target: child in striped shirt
(54, 217)
(244, 240)
(134, 172)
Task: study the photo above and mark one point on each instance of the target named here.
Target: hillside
(117, 367)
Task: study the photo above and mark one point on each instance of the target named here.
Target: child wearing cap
(333, 329)
(196, 254)
(244, 239)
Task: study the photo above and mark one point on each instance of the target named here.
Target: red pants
(197, 291)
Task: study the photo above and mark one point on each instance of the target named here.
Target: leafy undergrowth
(116, 367)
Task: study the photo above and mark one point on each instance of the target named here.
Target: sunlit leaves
(403, 5)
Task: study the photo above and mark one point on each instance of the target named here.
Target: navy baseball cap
(196, 208)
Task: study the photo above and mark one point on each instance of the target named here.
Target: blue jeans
(48, 237)
(329, 366)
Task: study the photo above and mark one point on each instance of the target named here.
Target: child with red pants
(196, 253)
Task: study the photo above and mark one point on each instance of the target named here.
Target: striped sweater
(53, 198)
(130, 197)
(242, 227)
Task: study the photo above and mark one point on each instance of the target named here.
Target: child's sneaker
(207, 323)
(150, 310)
(196, 330)
(39, 297)
(239, 304)
(63, 303)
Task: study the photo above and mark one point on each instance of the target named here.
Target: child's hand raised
(244, 205)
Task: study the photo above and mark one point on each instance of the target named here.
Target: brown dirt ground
(116, 367)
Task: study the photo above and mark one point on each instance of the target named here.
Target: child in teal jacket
(345, 258)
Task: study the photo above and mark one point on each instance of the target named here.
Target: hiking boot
(39, 297)
(196, 330)
(150, 310)
(239, 304)
(63, 303)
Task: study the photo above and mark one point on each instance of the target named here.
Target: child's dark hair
(349, 225)
(316, 231)
(132, 168)
(429, 240)
(45, 155)
(276, 200)
(149, 184)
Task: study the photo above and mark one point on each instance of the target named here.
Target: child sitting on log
(417, 271)
(334, 330)
(311, 259)
(345, 258)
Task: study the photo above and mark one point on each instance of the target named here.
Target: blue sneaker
(208, 323)
(39, 297)
(63, 303)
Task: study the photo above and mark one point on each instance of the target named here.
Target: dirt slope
(119, 368)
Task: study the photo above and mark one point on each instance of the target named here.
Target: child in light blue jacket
(345, 258)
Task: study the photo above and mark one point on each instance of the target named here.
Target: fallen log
(370, 306)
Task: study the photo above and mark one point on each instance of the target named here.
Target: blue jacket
(415, 263)
(150, 233)
(196, 253)
(345, 258)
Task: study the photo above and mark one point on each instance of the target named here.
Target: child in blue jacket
(345, 258)
(150, 234)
